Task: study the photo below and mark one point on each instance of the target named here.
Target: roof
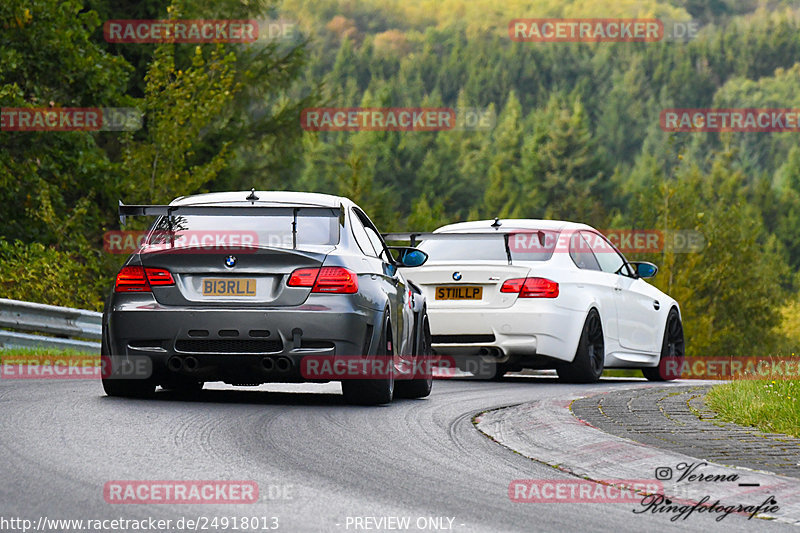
(508, 224)
(264, 197)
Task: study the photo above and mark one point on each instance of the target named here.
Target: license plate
(229, 287)
(462, 292)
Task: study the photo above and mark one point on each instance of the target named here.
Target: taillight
(303, 277)
(512, 285)
(159, 277)
(531, 287)
(139, 279)
(336, 280)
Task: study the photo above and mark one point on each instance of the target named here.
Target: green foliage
(730, 292)
(207, 109)
(38, 273)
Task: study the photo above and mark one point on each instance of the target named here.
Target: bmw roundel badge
(230, 261)
(457, 276)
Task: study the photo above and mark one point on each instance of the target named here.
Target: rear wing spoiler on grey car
(413, 237)
(233, 210)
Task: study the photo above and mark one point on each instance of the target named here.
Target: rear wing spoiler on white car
(413, 237)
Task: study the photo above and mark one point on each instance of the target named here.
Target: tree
(730, 292)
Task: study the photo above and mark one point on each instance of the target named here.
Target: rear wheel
(587, 367)
(420, 387)
(113, 382)
(374, 391)
(672, 349)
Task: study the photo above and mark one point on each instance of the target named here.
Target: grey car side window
(360, 234)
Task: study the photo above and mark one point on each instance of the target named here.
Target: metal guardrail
(49, 319)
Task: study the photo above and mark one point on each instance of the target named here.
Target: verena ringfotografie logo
(176, 492)
(748, 120)
(581, 490)
(180, 31)
(187, 242)
(396, 119)
(70, 119)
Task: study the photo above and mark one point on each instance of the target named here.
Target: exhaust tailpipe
(174, 363)
(191, 363)
(268, 363)
(283, 364)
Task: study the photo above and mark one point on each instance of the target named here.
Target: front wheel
(587, 367)
(672, 351)
(374, 391)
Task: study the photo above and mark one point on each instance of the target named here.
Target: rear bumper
(242, 346)
(534, 328)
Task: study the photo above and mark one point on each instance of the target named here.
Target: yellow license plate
(229, 287)
(461, 292)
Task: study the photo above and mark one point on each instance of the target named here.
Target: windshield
(261, 231)
(524, 245)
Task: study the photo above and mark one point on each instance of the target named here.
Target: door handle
(656, 305)
(618, 289)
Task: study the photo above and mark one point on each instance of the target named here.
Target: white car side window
(581, 253)
(610, 260)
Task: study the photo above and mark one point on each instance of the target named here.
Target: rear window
(272, 231)
(524, 245)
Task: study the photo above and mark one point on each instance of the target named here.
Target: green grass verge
(769, 405)
(16, 353)
(623, 373)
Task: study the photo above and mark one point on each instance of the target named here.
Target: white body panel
(524, 328)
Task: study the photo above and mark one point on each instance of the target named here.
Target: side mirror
(409, 257)
(644, 269)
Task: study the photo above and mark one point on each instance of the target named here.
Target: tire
(587, 367)
(419, 388)
(120, 387)
(374, 391)
(673, 347)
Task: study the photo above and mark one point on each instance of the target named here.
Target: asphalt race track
(320, 465)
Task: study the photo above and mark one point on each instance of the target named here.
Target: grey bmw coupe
(264, 286)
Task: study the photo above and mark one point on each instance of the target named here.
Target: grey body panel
(230, 339)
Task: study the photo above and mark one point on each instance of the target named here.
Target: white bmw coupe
(513, 294)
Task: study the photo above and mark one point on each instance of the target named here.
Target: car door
(599, 283)
(393, 283)
(637, 308)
